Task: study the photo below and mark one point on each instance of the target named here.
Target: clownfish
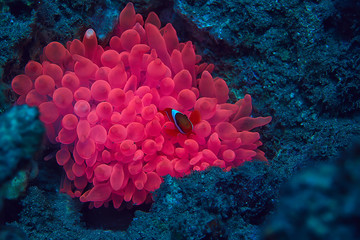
(182, 123)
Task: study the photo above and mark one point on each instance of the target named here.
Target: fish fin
(195, 117)
(167, 113)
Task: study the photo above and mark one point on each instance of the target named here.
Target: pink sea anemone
(103, 106)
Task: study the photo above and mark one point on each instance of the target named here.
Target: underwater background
(300, 62)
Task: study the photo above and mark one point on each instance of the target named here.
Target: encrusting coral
(105, 107)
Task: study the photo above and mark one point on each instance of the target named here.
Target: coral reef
(210, 205)
(309, 47)
(106, 111)
(297, 59)
(20, 138)
(320, 203)
(27, 26)
(55, 216)
(13, 28)
(179, 212)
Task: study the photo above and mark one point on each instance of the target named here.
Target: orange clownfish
(182, 123)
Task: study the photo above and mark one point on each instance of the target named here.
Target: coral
(48, 215)
(104, 105)
(11, 232)
(12, 30)
(12, 189)
(236, 205)
(21, 135)
(321, 202)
